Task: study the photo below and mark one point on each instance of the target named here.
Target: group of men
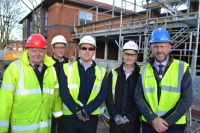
(42, 94)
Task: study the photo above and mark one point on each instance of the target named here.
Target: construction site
(127, 23)
(113, 25)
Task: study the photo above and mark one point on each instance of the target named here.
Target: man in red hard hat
(29, 92)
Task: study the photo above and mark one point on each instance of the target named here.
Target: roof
(97, 3)
(84, 3)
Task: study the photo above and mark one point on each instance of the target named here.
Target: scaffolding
(129, 24)
(184, 35)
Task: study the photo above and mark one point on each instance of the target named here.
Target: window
(46, 21)
(100, 49)
(112, 50)
(25, 29)
(36, 21)
(84, 17)
(31, 27)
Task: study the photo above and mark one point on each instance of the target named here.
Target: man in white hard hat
(83, 90)
(124, 115)
(58, 45)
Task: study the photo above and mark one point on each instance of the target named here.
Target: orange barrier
(11, 55)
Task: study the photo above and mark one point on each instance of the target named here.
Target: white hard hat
(87, 39)
(131, 45)
(59, 39)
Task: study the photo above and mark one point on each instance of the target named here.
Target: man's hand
(82, 115)
(126, 120)
(159, 124)
(120, 120)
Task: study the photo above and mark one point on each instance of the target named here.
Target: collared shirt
(39, 68)
(128, 73)
(61, 60)
(164, 63)
(86, 66)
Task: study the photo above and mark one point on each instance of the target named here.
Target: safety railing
(129, 23)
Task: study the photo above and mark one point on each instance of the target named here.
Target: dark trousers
(146, 128)
(131, 127)
(57, 125)
(73, 125)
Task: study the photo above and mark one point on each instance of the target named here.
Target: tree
(10, 14)
(36, 17)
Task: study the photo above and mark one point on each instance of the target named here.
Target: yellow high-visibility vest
(73, 80)
(114, 82)
(23, 104)
(170, 88)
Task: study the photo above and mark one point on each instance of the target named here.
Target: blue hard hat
(160, 35)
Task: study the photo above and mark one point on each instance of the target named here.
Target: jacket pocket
(22, 121)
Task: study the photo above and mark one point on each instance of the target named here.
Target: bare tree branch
(26, 5)
(10, 14)
(36, 20)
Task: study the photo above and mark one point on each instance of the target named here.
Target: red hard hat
(36, 41)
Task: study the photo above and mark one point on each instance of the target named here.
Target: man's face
(129, 57)
(59, 50)
(86, 52)
(36, 55)
(160, 51)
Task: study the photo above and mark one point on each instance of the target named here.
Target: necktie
(160, 71)
(37, 68)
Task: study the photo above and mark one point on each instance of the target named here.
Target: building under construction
(180, 17)
(112, 26)
(112, 33)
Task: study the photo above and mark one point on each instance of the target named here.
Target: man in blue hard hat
(164, 89)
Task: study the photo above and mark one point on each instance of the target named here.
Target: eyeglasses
(60, 48)
(85, 48)
(131, 55)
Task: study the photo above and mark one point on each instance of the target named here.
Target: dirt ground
(102, 128)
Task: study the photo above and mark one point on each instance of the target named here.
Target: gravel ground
(102, 128)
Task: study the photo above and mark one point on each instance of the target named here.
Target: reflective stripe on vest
(34, 91)
(7, 86)
(4, 123)
(114, 82)
(74, 84)
(55, 77)
(170, 88)
(31, 127)
(23, 91)
(21, 78)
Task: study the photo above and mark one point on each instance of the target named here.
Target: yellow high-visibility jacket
(170, 88)
(22, 103)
